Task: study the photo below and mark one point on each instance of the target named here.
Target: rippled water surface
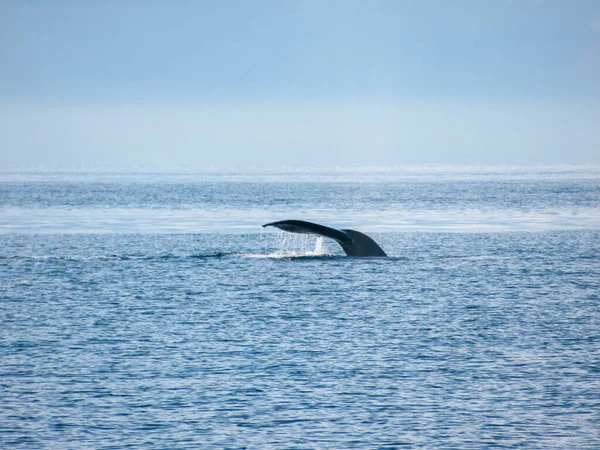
(152, 311)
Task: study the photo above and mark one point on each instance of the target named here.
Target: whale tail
(353, 242)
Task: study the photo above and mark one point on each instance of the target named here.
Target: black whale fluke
(353, 242)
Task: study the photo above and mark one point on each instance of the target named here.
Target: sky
(234, 83)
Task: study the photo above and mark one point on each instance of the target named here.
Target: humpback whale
(353, 242)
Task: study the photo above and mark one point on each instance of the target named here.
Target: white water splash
(294, 245)
(320, 246)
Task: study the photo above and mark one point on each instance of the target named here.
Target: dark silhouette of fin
(353, 242)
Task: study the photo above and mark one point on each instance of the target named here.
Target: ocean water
(150, 309)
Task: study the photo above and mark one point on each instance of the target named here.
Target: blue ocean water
(149, 309)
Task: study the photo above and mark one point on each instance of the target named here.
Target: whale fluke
(353, 242)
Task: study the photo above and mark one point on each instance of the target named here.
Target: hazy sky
(299, 82)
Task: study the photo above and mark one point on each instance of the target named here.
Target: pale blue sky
(299, 82)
